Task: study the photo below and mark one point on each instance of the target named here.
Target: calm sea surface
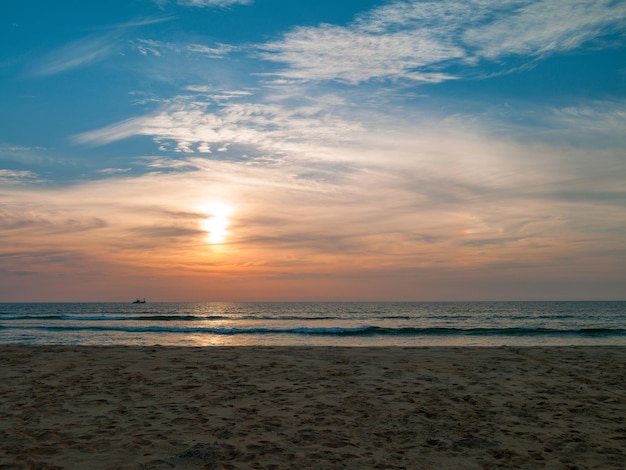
(324, 324)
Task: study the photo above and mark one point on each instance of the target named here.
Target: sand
(247, 407)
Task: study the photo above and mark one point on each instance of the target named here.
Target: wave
(285, 317)
(115, 317)
(149, 317)
(337, 331)
(278, 317)
(32, 317)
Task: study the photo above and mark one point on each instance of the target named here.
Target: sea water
(316, 324)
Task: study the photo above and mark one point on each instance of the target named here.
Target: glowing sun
(217, 221)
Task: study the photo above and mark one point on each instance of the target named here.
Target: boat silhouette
(137, 301)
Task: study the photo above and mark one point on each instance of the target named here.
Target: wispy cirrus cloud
(355, 54)
(159, 48)
(142, 22)
(15, 176)
(205, 3)
(113, 171)
(220, 50)
(78, 54)
(539, 28)
(400, 40)
(213, 3)
(603, 117)
(420, 40)
(90, 49)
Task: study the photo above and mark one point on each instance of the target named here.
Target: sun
(217, 221)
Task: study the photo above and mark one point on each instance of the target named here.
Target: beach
(117, 407)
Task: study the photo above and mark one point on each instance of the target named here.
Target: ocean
(316, 324)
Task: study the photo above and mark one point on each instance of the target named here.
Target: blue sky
(263, 149)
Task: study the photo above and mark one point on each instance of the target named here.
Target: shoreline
(136, 407)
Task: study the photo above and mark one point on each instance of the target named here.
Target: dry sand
(247, 407)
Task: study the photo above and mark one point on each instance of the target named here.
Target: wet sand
(248, 407)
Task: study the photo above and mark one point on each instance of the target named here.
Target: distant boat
(137, 301)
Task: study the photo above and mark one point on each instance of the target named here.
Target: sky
(251, 150)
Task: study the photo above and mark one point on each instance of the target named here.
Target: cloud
(77, 54)
(49, 224)
(386, 199)
(422, 40)
(546, 27)
(212, 52)
(401, 191)
(159, 48)
(205, 3)
(151, 47)
(143, 22)
(122, 130)
(91, 49)
(194, 123)
(355, 54)
(598, 117)
(400, 40)
(162, 233)
(213, 3)
(42, 258)
(326, 183)
(113, 171)
(15, 176)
